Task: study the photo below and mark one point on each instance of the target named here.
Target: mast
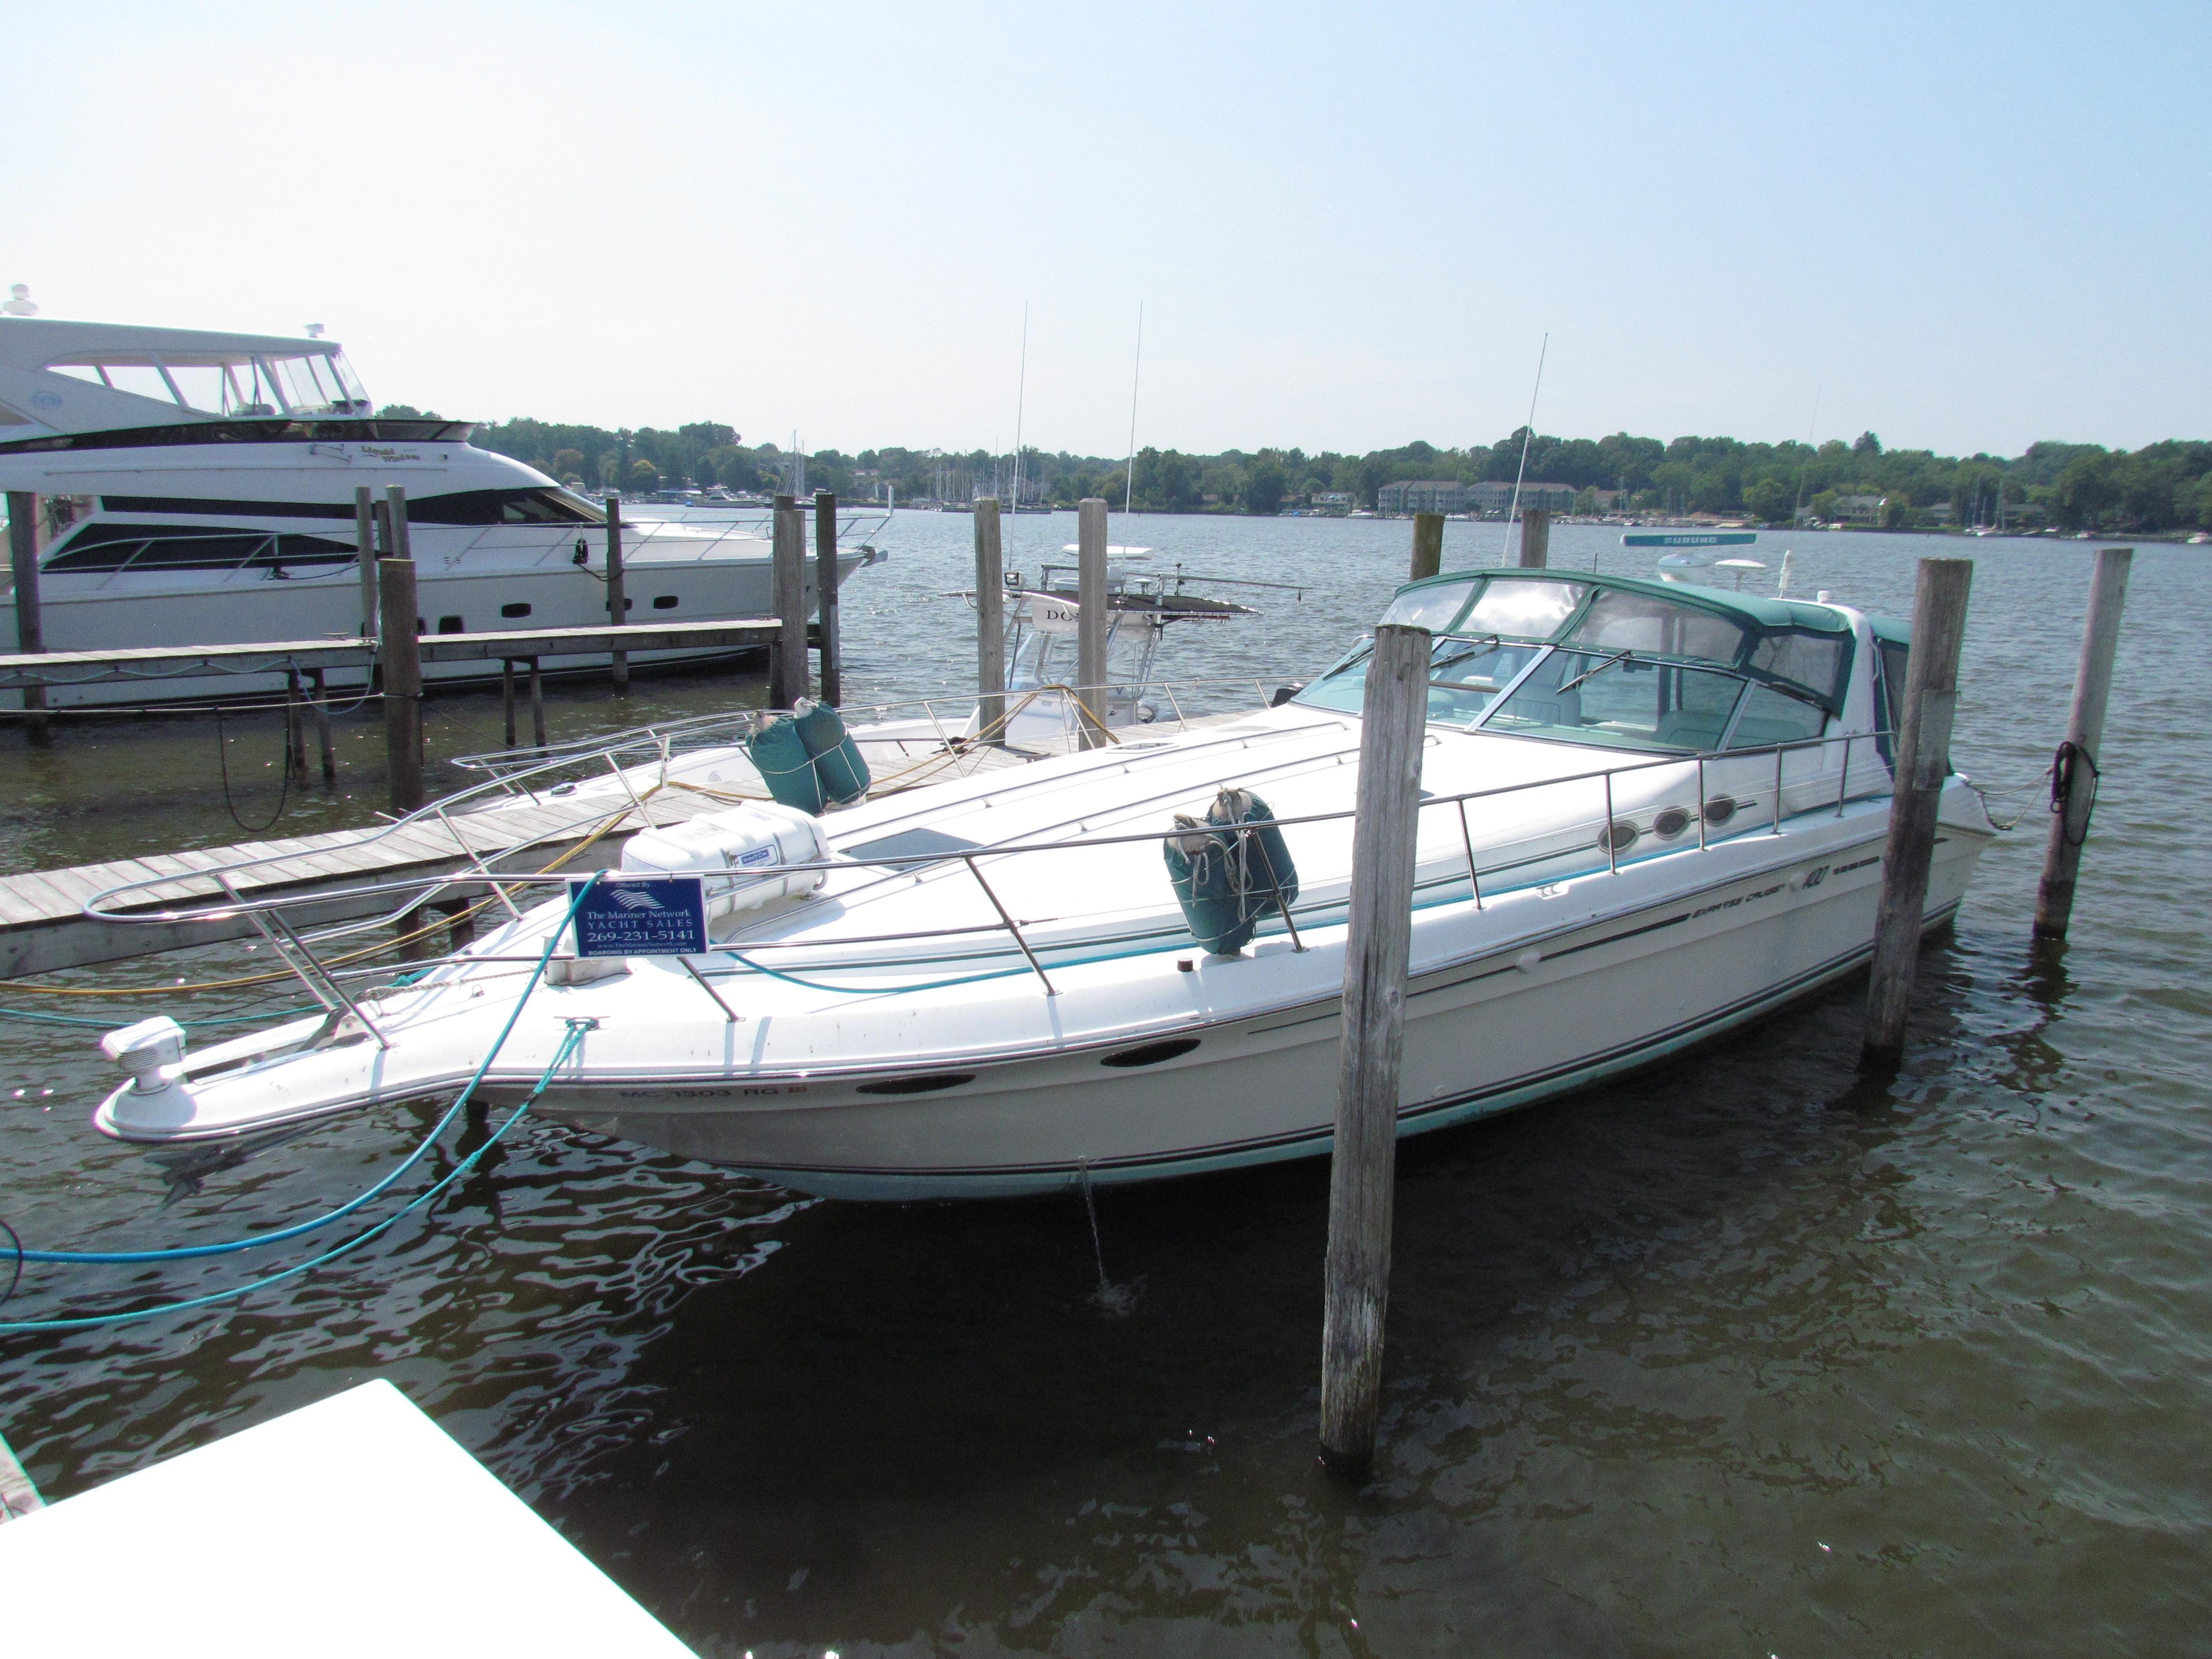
(1021, 393)
(1528, 437)
(1136, 378)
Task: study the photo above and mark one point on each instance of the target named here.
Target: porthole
(663, 602)
(1152, 1053)
(1617, 837)
(927, 1084)
(518, 608)
(1720, 809)
(451, 625)
(1671, 821)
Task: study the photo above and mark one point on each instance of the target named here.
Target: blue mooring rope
(575, 1036)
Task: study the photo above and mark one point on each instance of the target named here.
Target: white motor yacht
(1649, 814)
(218, 472)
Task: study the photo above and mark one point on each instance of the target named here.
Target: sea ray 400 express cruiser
(221, 471)
(1649, 814)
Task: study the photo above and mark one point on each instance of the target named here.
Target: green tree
(1768, 501)
(1264, 488)
(1896, 510)
(644, 475)
(566, 464)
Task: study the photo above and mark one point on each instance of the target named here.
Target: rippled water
(1740, 1356)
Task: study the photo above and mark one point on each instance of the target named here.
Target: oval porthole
(1617, 837)
(1720, 809)
(929, 1083)
(1152, 1053)
(516, 610)
(665, 602)
(1671, 821)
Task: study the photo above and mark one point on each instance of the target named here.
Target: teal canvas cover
(809, 761)
(1227, 878)
(839, 768)
(779, 753)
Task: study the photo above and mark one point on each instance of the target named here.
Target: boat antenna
(1803, 471)
(1021, 393)
(1527, 437)
(1136, 378)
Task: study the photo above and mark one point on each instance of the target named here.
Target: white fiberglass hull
(1482, 1037)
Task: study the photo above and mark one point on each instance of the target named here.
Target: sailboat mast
(1136, 378)
(1021, 395)
(1528, 437)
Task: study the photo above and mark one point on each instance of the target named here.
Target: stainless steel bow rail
(45, 926)
(1732, 813)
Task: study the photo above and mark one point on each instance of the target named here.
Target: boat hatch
(911, 844)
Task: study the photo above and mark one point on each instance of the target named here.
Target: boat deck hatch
(911, 844)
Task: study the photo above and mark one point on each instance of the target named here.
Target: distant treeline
(2163, 486)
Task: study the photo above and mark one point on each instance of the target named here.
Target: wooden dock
(20, 671)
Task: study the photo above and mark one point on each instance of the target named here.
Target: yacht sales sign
(626, 915)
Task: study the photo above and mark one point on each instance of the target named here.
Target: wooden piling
(403, 682)
(618, 603)
(320, 694)
(507, 696)
(1428, 544)
(30, 624)
(537, 705)
(990, 623)
(787, 676)
(295, 727)
(1924, 760)
(2074, 784)
(825, 595)
(1091, 629)
(364, 541)
(1363, 1165)
(395, 515)
(1536, 537)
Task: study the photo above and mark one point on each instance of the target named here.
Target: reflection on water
(1739, 1355)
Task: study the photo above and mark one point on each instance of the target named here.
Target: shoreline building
(1421, 495)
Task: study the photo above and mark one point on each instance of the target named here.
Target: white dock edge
(353, 1526)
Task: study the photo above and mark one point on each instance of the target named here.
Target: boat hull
(1487, 1035)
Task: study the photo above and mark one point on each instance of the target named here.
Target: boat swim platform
(44, 928)
(23, 670)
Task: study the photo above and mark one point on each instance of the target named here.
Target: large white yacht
(217, 477)
(1649, 814)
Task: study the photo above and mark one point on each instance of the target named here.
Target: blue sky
(1966, 227)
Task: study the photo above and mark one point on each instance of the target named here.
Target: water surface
(1740, 1356)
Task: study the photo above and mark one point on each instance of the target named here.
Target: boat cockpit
(1616, 662)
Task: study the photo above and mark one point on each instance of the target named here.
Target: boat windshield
(1467, 677)
(231, 384)
(1618, 697)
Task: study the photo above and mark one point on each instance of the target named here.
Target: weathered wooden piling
(364, 541)
(990, 622)
(295, 725)
(506, 700)
(320, 694)
(1091, 629)
(1428, 544)
(403, 682)
(1536, 537)
(1924, 760)
(395, 512)
(30, 625)
(787, 676)
(537, 705)
(618, 603)
(825, 596)
(2075, 774)
(1363, 1166)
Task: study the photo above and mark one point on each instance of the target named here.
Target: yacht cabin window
(229, 384)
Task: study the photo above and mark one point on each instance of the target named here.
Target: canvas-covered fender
(1226, 876)
(809, 761)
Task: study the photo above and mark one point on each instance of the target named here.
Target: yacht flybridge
(1649, 814)
(219, 471)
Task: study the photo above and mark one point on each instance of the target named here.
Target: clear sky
(1967, 226)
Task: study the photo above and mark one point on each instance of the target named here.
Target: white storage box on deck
(724, 846)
